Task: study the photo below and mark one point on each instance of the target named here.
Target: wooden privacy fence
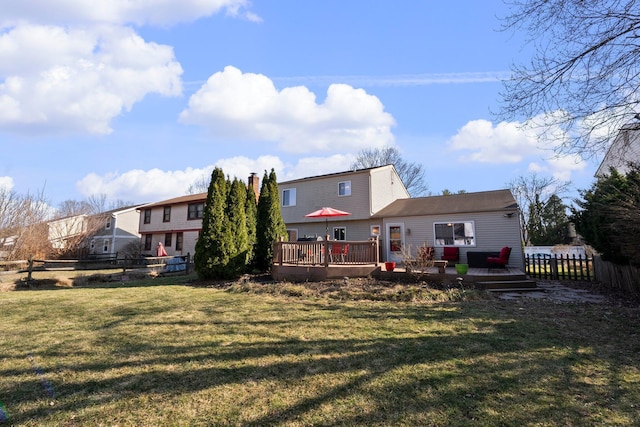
(560, 267)
(325, 253)
(621, 277)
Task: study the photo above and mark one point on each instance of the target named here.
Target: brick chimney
(254, 182)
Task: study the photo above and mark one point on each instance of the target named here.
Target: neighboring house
(362, 193)
(105, 233)
(63, 232)
(474, 222)
(116, 229)
(624, 149)
(176, 223)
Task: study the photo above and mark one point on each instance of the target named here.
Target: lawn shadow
(485, 354)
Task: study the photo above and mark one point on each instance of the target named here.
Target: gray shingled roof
(485, 201)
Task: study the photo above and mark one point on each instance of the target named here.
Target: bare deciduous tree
(530, 191)
(412, 174)
(200, 186)
(23, 230)
(584, 76)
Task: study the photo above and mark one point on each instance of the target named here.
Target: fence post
(188, 260)
(553, 263)
(30, 270)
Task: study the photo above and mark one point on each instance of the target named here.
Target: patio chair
(338, 250)
(502, 260)
(451, 253)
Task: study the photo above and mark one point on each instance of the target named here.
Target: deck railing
(324, 253)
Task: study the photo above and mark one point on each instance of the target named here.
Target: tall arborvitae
(279, 227)
(261, 254)
(251, 213)
(237, 228)
(213, 245)
(270, 226)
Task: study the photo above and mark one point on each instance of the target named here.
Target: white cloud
(138, 12)
(560, 167)
(513, 143)
(248, 106)
(79, 79)
(6, 183)
(154, 185)
(504, 143)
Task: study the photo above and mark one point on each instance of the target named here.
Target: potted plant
(462, 268)
(389, 265)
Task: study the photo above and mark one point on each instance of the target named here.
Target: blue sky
(139, 101)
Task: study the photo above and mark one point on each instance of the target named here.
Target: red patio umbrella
(325, 213)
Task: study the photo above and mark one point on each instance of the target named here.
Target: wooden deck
(298, 272)
(326, 260)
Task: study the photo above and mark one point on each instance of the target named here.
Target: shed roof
(484, 201)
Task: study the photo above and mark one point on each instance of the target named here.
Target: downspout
(113, 233)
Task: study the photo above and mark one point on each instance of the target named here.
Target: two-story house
(362, 193)
(379, 206)
(176, 223)
(116, 230)
(105, 233)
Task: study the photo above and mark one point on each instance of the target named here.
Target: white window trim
(340, 228)
(292, 192)
(462, 221)
(375, 230)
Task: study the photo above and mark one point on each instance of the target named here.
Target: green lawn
(179, 355)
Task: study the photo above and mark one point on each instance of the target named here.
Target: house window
(147, 241)
(375, 230)
(92, 246)
(292, 235)
(147, 216)
(289, 197)
(167, 240)
(108, 224)
(179, 241)
(105, 246)
(344, 188)
(454, 233)
(166, 215)
(195, 211)
(339, 233)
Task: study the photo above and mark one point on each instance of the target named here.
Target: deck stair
(505, 283)
(508, 285)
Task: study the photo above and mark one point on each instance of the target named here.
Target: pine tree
(279, 227)
(555, 222)
(251, 213)
(213, 245)
(270, 226)
(599, 220)
(238, 242)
